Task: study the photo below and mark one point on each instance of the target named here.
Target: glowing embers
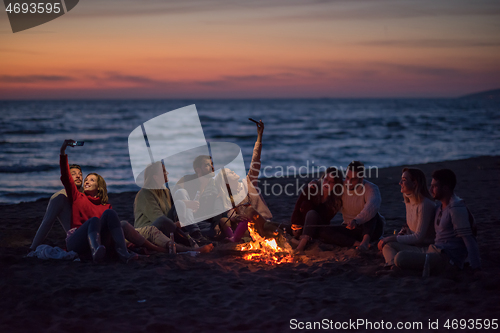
(265, 250)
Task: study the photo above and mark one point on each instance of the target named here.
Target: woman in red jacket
(92, 219)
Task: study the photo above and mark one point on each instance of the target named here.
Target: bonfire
(266, 250)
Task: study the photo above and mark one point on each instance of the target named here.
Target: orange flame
(269, 251)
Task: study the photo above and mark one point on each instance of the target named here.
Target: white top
(360, 204)
(249, 186)
(420, 219)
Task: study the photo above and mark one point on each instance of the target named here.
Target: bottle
(171, 247)
(427, 266)
(197, 196)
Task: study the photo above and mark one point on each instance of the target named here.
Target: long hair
(222, 189)
(334, 200)
(151, 184)
(102, 190)
(420, 192)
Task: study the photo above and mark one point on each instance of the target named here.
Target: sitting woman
(92, 220)
(317, 204)
(420, 210)
(154, 212)
(241, 201)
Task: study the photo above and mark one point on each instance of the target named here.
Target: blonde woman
(92, 220)
(418, 232)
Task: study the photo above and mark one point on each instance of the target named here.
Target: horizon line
(227, 99)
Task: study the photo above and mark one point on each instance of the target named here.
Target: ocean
(300, 134)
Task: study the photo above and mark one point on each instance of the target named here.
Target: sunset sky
(255, 49)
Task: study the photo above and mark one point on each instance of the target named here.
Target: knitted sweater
(84, 206)
(420, 220)
(147, 206)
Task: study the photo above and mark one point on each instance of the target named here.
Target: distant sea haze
(307, 133)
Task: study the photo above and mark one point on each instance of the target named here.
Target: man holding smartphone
(58, 208)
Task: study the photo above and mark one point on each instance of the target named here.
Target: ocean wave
(25, 132)
(25, 194)
(326, 131)
(19, 168)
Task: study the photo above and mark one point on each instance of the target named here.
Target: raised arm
(68, 182)
(260, 131)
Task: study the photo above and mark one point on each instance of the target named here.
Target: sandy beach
(220, 292)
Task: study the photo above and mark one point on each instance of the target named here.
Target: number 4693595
(471, 324)
(34, 8)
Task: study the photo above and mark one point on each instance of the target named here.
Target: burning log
(265, 250)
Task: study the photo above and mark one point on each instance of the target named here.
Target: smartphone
(255, 121)
(77, 143)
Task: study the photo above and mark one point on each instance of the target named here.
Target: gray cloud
(422, 69)
(142, 80)
(232, 79)
(431, 43)
(291, 10)
(137, 80)
(34, 78)
(377, 12)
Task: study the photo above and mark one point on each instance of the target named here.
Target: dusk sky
(255, 49)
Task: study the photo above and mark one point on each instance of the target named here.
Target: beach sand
(220, 292)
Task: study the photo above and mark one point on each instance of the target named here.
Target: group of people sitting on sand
(442, 233)
(439, 227)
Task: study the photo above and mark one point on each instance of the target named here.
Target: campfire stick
(228, 187)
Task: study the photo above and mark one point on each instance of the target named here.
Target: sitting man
(197, 182)
(198, 188)
(360, 205)
(454, 224)
(58, 208)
